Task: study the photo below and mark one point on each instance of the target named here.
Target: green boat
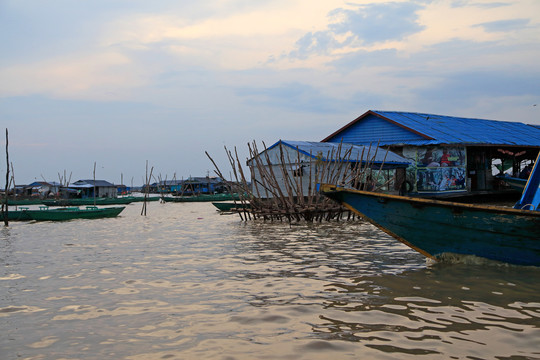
(141, 198)
(202, 198)
(435, 228)
(231, 206)
(70, 213)
(24, 202)
(88, 201)
(17, 215)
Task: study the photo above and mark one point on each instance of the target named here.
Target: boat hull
(88, 201)
(434, 228)
(17, 215)
(228, 206)
(201, 198)
(64, 214)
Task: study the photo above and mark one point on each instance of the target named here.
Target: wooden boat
(515, 183)
(434, 227)
(17, 215)
(141, 198)
(201, 198)
(22, 202)
(70, 213)
(230, 206)
(88, 201)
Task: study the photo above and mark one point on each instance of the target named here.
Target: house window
(298, 172)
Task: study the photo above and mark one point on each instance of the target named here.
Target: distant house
(166, 186)
(448, 154)
(308, 163)
(123, 189)
(41, 189)
(203, 185)
(85, 188)
(190, 186)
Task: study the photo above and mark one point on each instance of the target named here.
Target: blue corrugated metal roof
(102, 183)
(440, 129)
(314, 149)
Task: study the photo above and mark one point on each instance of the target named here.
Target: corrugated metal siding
(311, 150)
(372, 129)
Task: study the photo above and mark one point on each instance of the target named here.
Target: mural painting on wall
(437, 168)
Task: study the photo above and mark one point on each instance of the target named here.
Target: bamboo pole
(5, 207)
(94, 183)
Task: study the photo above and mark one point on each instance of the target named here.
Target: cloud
(293, 96)
(467, 86)
(363, 26)
(504, 25)
(485, 5)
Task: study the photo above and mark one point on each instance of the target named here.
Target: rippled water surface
(187, 283)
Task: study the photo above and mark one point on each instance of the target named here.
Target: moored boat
(435, 228)
(201, 198)
(70, 213)
(22, 202)
(17, 215)
(230, 206)
(88, 201)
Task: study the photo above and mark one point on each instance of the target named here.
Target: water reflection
(439, 310)
(187, 283)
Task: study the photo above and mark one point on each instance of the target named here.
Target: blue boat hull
(436, 227)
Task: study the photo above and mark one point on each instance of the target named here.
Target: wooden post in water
(147, 188)
(5, 203)
(94, 183)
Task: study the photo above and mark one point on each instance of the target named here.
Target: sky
(118, 84)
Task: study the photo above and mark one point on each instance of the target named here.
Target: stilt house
(85, 188)
(296, 167)
(448, 154)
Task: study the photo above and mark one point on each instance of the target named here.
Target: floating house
(41, 189)
(191, 186)
(203, 185)
(85, 189)
(123, 189)
(448, 154)
(296, 167)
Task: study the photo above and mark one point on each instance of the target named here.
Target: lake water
(185, 282)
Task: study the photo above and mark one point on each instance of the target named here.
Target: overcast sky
(120, 82)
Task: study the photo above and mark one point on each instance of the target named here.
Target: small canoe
(141, 198)
(22, 202)
(230, 206)
(16, 215)
(201, 198)
(88, 201)
(70, 213)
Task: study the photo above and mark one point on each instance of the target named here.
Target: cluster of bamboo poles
(268, 198)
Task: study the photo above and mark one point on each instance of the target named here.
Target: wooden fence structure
(275, 194)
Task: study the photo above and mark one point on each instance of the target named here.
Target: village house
(448, 154)
(304, 164)
(191, 186)
(85, 189)
(41, 189)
